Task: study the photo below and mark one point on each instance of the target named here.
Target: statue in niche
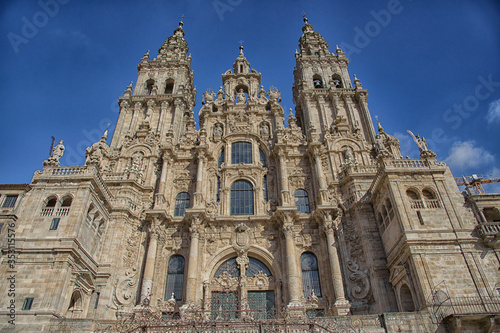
(57, 153)
(218, 130)
(350, 159)
(264, 129)
(241, 96)
(136, 162)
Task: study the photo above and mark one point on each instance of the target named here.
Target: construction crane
(477, 181)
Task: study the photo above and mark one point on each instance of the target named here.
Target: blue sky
(429, 66)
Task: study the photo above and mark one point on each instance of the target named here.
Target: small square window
(9, 201)
(28, 302)
(55, 223)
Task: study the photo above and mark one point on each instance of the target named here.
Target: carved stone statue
(422, 145)
(380, 149)
(264, 129)
(57, 153)
(241, 97)
(349, 156)
(218, 130)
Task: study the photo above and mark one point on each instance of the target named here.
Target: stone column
(135, 115)
(294, 307)
(147, 280)
(285, 193)
(160, 196)
(198, 196)
(341, 306)
(323, 197)
(194, 231)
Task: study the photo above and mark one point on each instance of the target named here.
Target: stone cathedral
(245, 222)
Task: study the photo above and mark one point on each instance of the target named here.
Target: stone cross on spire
(304, 16)
(241, 46)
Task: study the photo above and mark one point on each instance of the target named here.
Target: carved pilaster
(341, 306)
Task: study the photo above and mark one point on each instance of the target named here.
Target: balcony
(490, 233)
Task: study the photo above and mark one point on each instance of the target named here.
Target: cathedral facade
(246, 219)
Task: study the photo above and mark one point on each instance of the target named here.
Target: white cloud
(463, 155)
(493, 115)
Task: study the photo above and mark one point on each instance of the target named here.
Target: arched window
(337, 81)
(310, 274)
(317, 81)
(302, 201)
(241, 198)
(181, 203)
(64, 209)
(230, 266)
(412, 194)
(175, 278)
(262, 158)
(67, 202)
(221, 158)
(255, 266)
(75, 304)
(49, 207)
(241, 152)
(149, 86)
(169, 86)
(414, 199)
(51, 203)
(428, 194)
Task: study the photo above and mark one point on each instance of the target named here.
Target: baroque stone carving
(362, 289)
(241, 238)
(125, 289)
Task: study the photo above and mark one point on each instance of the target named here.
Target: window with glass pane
(181, 203)
(175, 278)
(262, 158)
(241, 198)
(55, 223)
(302, 201)
(255, 266)
(241, 152)
(221, 158)
(310, 274)
(10, 201)
(265, 188)
(28, 302)
(230, 266)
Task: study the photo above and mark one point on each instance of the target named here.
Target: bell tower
(164, 94)
(323, 93)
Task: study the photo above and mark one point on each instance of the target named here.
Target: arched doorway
(242, 287)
